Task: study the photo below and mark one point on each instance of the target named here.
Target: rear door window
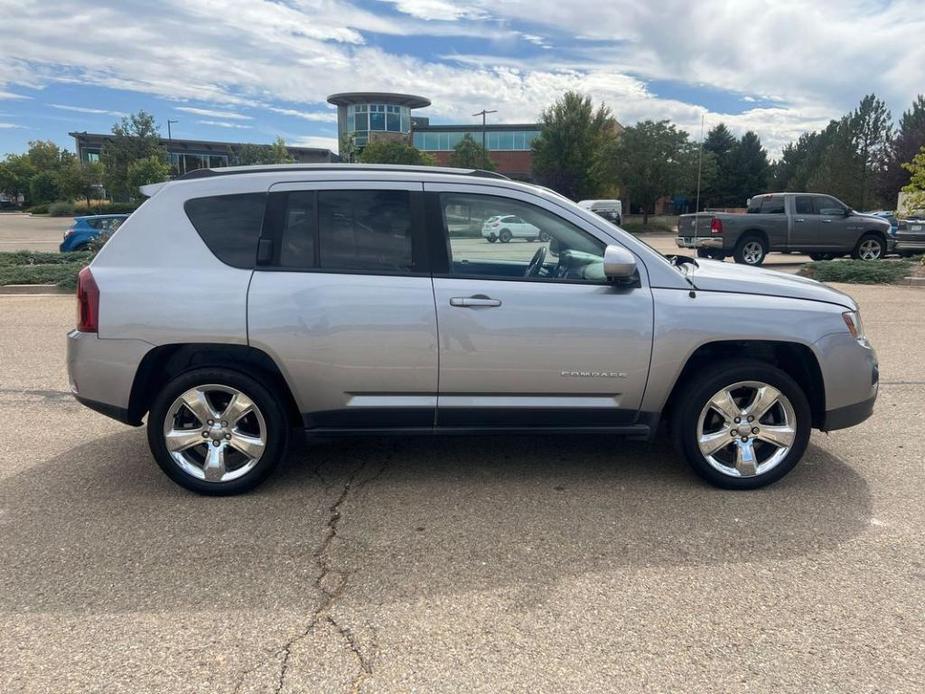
(229, 225)
(772, 204)
(803, 204)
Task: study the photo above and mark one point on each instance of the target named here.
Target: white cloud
(223, 124)
(813, 59)
(11, 95)
(211, 113)
(316, 116)
(84, 109)
(314, 141)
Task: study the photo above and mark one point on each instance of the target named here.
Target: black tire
(868, 240)
(704, 253)
(274, 416)
(746, 249)
(492, 238)
(698, 391)
(505, 236)
(544, 237)
(821, 256)
(711, 254)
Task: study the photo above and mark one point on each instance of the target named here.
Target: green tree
(872, 133)
(749, 168)
(909, 139)
(43, 188)
(80, 179)
(279, 153)
(914, 199)
(394, 152)
(720, 144)
(347, 148)
(651, 160)
(469, 154)
(135, 137)
(46, 156)
(16, 171)
(574, 137)
(151, 169)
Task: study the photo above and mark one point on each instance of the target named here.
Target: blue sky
(252, 70)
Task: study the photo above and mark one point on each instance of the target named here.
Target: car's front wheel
(217, 431)
(742, 425)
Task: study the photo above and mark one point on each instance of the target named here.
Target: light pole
(699, 165)
(483, 113)
(168, 127)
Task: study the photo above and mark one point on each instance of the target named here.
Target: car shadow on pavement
(101, 529)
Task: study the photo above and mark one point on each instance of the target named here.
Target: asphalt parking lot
(506, 564)
(20, 232)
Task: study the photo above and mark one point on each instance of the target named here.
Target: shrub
(119, 208)
(37, 209)
(61, 208)
(857, 271)
(43, 258)
(30, 267)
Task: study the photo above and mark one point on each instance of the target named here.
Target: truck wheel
(750, 251)
(870, 247)
(217, 431)
(742, 424)
(821, 256)
(505, 236)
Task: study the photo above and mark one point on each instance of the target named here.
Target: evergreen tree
(910, 138)
(721, 144)
(749, 170)
(135, 137)
(871, 131)
(469, 154)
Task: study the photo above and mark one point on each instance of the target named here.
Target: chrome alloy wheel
(752, 253)
(215, 433)
(869, 249)
(746, 429)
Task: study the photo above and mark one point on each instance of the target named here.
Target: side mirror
(619, 263)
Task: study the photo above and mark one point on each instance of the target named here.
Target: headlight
(855, 326)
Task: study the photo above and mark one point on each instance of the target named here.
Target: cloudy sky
(249, 70)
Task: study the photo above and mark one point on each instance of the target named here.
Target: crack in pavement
(331, 582)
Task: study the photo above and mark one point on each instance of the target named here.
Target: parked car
(819, 225)
(337, 300)
(611, 210)
(910, 236)
(504, 228)
(85, 229)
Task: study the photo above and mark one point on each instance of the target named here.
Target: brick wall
(514, 164)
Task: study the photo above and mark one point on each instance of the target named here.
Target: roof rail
(234, 170)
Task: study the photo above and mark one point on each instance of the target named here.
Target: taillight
(716, 226)
(88, 302)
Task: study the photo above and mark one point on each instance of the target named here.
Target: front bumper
(849, 415)
(699, 241)
(851, 374)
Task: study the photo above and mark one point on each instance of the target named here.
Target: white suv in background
(611, 210)
(507, 227)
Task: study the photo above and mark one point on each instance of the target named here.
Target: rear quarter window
(229, 225)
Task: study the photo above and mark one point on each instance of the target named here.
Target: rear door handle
(826, 221)
(799, 219)
(474, 301)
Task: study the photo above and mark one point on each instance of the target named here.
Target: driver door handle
(474, 301)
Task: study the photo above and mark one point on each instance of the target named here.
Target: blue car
(85, 229)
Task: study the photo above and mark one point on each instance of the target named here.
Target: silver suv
(238, 305)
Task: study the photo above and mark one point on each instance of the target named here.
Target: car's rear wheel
(505, 235)
(751, 251)
(742, 425)
(217, 431)
(870, 247)
(544, 237)
(492, 238)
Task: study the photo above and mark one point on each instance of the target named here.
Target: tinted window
(772, 205)
(825, 205)
(229, 225)
(365, 230)
(297, 247)
(803, 204)
(480, 245)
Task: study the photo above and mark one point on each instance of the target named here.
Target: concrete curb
(21, 289)
(913, 282)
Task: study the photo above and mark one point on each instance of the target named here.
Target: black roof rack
(234, 170)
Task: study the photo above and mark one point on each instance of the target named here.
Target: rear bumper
(699, 241)
(102, 372)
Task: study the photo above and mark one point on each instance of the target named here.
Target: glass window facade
(495, 140)
(363, 118)
(181, 163)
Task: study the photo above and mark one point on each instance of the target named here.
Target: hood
(717, 276)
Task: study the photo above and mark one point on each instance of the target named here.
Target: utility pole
(483, 113)
(699, 165)
(168, 127)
